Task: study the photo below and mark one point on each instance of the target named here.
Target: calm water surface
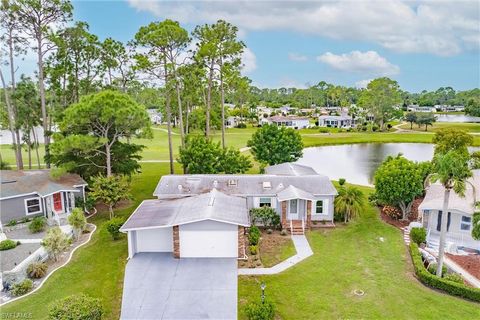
(457, 118)
(357, 162)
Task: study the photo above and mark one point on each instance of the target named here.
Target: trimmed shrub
(267, 216)
(453, 288)
(454, 277)
(253, 249)
(283, 232)
(19, 289)
(55, 242)
(342, 181)
(77, 307)
(418, 235)
(253, 236)
(113, 227)
(37, 270)
(37, 225)
(7, 244)
(78, 221)
(323, 130)
(260, 311)
(241, 125)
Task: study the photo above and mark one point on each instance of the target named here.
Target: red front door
(57, 202)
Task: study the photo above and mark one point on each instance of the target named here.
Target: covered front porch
(59, 205)
(298, 212)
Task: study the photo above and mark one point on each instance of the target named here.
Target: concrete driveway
(157, 286)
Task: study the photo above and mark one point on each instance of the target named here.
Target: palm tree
(452, 171)
(349, 202)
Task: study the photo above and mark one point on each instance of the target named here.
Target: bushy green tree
(412, 118)
(398, 181)
(202, 155)
(78, 221)
(448, 139)
(274, 145)
(110, 190)
(473, 106)
(476, 226)
(426, 119)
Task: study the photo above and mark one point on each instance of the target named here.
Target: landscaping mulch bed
(394, 222)
(470, 263)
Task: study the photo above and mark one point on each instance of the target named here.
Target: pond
(357, 162)
(457, 118)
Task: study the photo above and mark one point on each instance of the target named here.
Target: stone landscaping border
(57, 268)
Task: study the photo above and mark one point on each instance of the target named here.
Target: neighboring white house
(232, 122)
(206, 215)
(343, 121)
(155, 116)
(449, 108)
(460, 214)
(290, 121)
(417, 108)
(263, 112)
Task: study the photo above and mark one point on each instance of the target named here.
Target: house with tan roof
(459, 215)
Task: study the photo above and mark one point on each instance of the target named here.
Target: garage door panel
(155, 240)
(208, 239)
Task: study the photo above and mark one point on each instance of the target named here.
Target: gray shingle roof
(435, 192)
(290, 169)
(292, 192)
(16, 183)
(174, 186)
(213, 205)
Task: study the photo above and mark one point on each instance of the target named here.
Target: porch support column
(176, 242)
(309, 213)
(284, 214)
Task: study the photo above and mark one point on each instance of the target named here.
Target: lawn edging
(53, 271)
(432, 281)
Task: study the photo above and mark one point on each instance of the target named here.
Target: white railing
(303, 226)
(291, 227)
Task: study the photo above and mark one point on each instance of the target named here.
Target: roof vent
(180, 188)
(267, 185)
(232, 182)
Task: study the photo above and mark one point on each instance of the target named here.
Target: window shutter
(256, 202)
(325, 206)
(274, 202)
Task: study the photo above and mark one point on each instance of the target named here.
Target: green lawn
(470, 127)
(349, 258)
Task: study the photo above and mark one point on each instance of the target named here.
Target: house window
(319, 207)
(265, 202)
(33, 206)
(466, 223)
(294, 206)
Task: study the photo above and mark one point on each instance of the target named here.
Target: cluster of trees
(421, 119)
(399, 181)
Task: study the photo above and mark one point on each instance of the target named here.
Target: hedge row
(453, 288)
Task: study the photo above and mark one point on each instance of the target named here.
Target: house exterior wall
(14, 209)
(462, 238)
(327, 207)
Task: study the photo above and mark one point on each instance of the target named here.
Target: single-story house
(35, 193)
(449, 108)
(343, 121)
(417, 108)
(290, 122)
(232, 122)
(205, 215)
(460, 214)
(155, 116)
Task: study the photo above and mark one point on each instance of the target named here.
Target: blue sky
(421, 44)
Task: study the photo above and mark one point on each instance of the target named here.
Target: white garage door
(208, 239)
(155, 240)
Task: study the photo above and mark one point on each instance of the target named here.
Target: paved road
(157, 286)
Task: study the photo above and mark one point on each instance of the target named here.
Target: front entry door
(293, 209)
(57, 202)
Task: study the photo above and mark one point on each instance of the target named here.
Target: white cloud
(362, 83)
(369, 62)
(249, 61)
(297, 57)
(439, 27)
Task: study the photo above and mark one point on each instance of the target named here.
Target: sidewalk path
(303, 251)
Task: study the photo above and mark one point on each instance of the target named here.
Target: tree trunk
(222, 99)
(29, 150)
(169, 119)
(41, 88)
(36, 144)
(209, 101)
(109, 159)
(180, 109)
(110, 210)
(411, 125)
(187, 113)
(443, 232)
